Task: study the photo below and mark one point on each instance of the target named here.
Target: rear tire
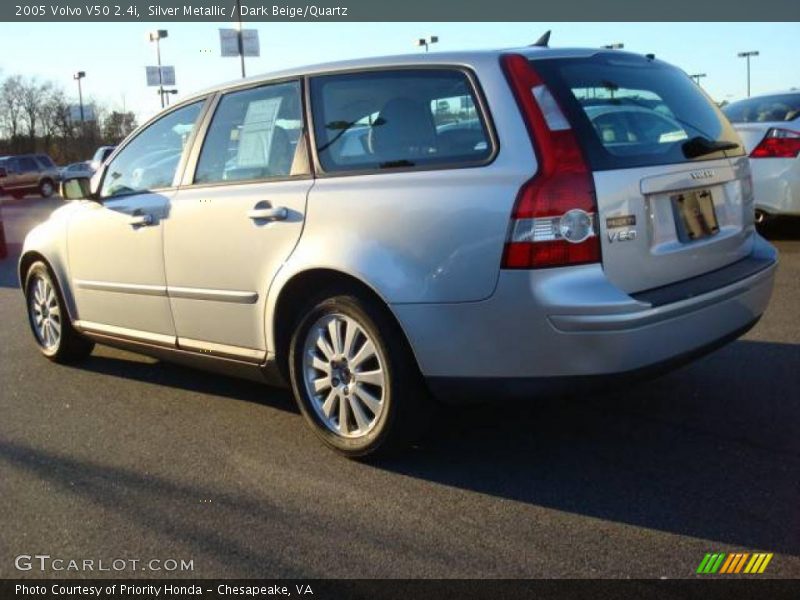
(52, 329)
(355, 378)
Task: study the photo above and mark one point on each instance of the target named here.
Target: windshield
(780, 107)
(631, 111)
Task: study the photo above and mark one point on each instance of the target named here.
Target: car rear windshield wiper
(699, 146)
(393, 164)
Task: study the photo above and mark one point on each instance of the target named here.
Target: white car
(769, 126)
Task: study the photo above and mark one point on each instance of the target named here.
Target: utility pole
(747, 55)
(239, 40)
(77, 77)
(157, 36)
(697, 77)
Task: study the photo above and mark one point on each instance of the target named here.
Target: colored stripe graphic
(740, 563)
(727, 564)
(711, 563)
(703, 563)
(717, 562)
(755, 562)
(764, 564)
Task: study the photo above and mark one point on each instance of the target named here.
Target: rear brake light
(554, 220)
(778, 143)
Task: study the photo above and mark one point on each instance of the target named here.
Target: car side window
(26, 165)
(402, 118)
(45, 162)
(253, 135)
(150, 160)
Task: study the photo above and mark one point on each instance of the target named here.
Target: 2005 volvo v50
(383, 233)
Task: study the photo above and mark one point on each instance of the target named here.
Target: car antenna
(543, 41)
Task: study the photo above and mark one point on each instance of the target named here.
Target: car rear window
(403, 118)
(780, 107)
(632, 111)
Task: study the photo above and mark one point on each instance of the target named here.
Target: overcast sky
(114, 54)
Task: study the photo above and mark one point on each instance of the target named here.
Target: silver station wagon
(391, 233)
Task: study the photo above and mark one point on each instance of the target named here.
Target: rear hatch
(674, 195)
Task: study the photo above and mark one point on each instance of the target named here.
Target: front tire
(354, 377)
(46, 188)
(47, 315)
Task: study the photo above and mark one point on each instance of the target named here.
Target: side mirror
(76, 188)
(3, 172)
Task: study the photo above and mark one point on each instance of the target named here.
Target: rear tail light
(554, 222)
(778, 143)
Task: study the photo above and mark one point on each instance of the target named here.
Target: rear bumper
(561, 325)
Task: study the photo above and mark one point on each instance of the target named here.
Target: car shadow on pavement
(184, 378)
(710, 451)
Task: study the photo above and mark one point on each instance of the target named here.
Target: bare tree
(33, 94)
(10, 101)
(52, 102)
(36, 116)
(117, 125)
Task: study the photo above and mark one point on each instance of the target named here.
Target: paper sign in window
(255, 137)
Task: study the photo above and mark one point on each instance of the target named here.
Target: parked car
(28, 173)
(3, 244)
(770, 128)
(78, 169)
(100, 155)
(380, 272)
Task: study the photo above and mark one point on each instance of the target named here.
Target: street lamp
(77, 77)
(168, 92)
(156, 36)
(747, 55)
(697, 77)
(615, 46)
(433, 39)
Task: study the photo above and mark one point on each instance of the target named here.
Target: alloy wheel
(45, 312)
(345, 375)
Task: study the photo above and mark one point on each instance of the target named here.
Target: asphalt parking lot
(126, 457)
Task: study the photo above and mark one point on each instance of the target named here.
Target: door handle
(278, 213)
(143, 220)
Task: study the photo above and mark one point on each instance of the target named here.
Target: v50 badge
(624, 225)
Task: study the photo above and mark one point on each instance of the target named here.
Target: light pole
(168, 92)
(157, 36)
(747, 55)
(77, 77)
(239, 40)
(697, 77)
(615, 46)
(433, 39)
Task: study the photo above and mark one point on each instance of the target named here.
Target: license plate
(695, 216)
